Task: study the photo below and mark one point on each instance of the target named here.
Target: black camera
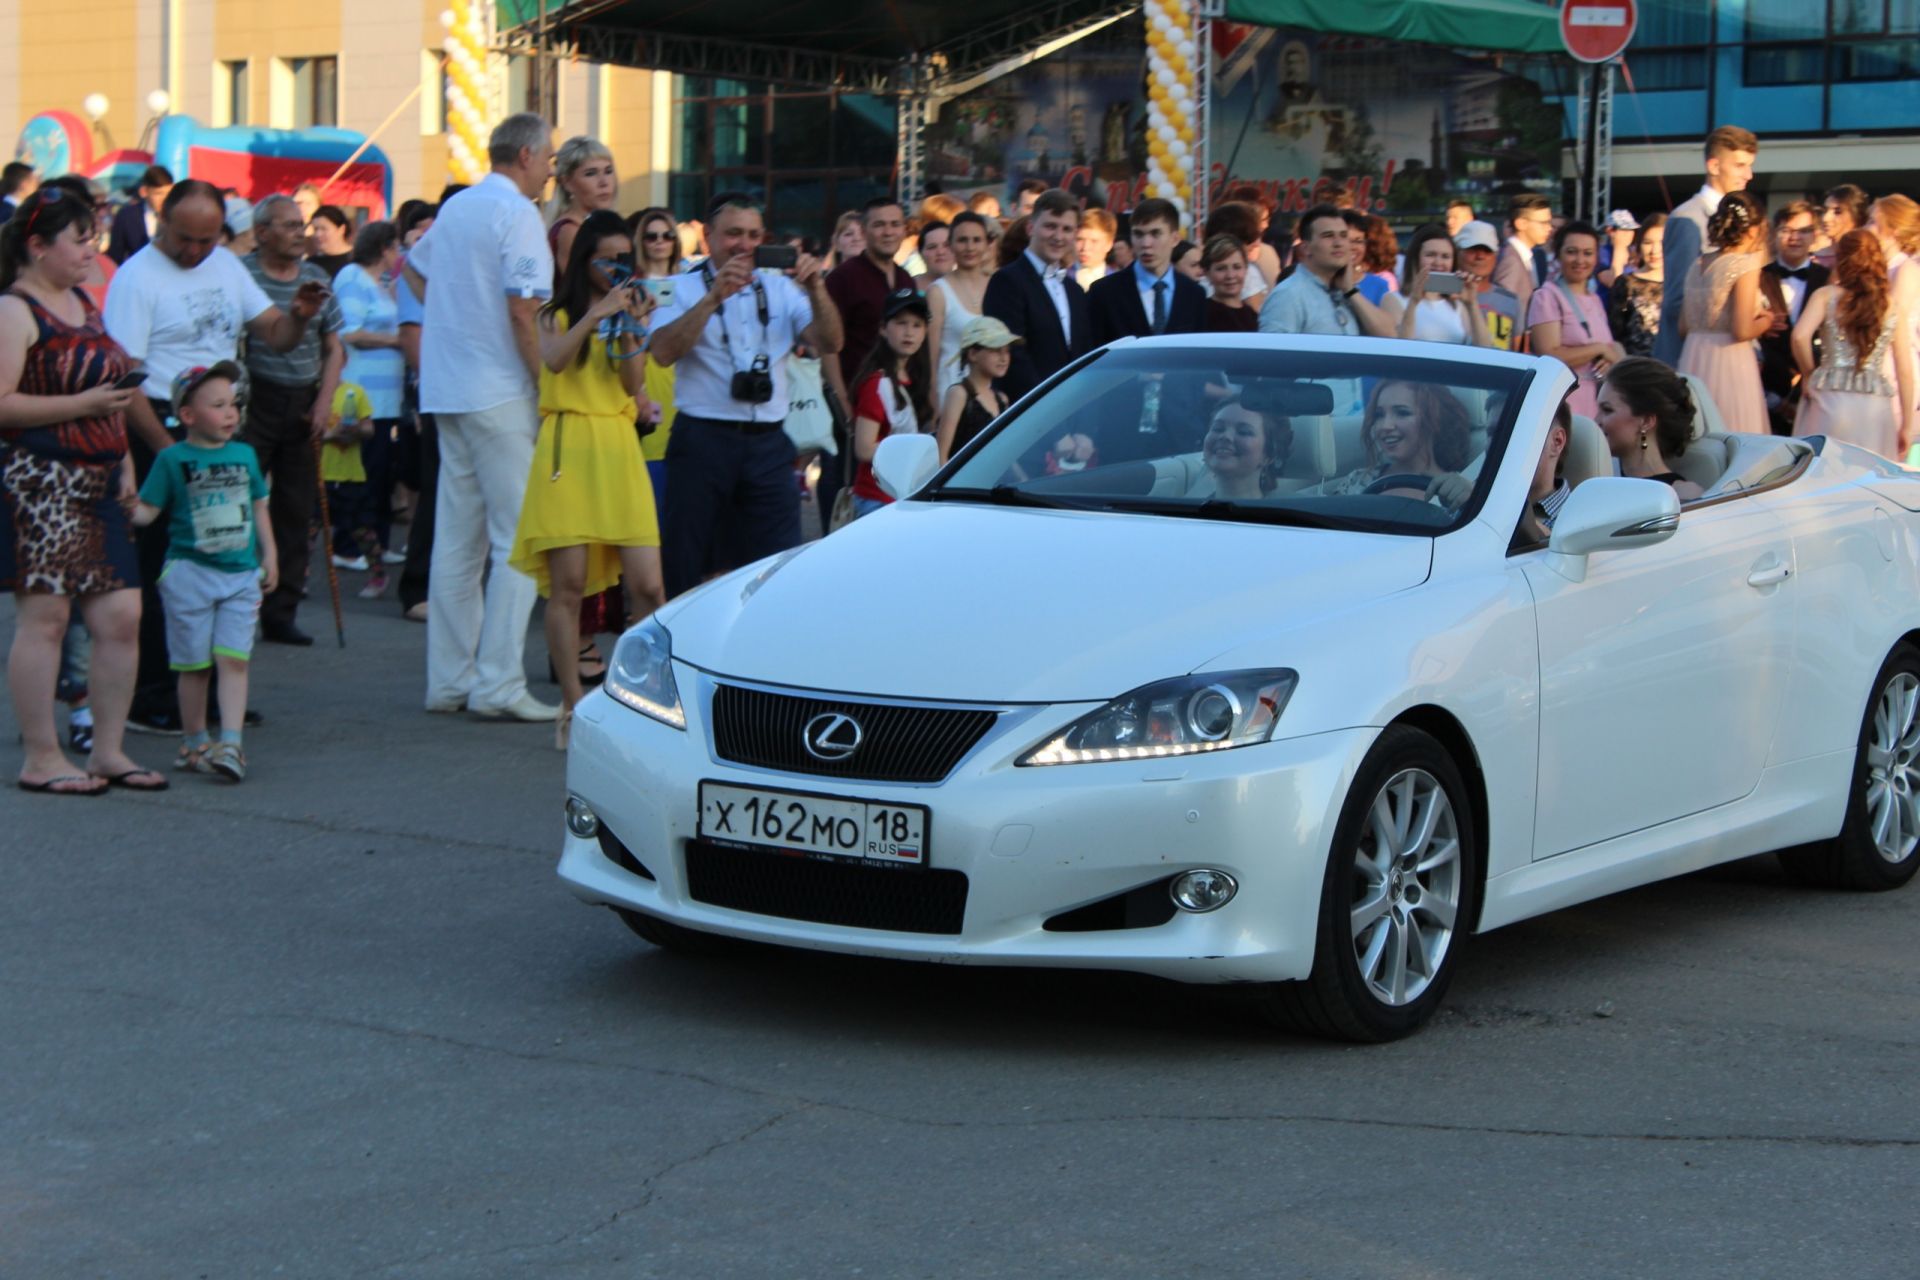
(754, 385)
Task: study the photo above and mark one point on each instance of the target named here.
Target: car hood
(965, 602)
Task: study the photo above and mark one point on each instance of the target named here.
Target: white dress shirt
(1054, 281)
(1146, 283)
(1796, 290)
(1711, 199)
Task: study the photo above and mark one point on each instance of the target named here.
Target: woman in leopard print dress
(64, 477)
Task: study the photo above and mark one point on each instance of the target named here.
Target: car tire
(1350, 995)
(673, 937)
(1868, 855)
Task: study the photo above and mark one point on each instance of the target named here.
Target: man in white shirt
(727, 334)
(482, 273)
(179, 303)
(1730, 152)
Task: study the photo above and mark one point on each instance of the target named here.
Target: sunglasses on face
(652, 237)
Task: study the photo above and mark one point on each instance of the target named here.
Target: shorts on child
(209, 612)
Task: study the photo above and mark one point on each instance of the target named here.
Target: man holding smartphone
(728, 331)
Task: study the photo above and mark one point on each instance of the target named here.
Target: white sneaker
(354, 564)
(394, 557)
(525, 707)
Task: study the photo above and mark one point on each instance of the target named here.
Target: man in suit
(1149, 298)
(1037, 297)
(1730, 151)
(134, 225)
(18, 181)
(1523, 265)
(1786, 283)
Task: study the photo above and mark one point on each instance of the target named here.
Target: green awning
(1505, 26)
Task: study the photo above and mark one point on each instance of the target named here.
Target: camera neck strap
(759, 304)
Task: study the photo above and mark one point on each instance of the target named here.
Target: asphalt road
(343, 1021)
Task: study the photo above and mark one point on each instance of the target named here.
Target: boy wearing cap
(986, 349)
(214, 495)
(1479, 248)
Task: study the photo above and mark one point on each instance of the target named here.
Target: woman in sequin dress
(1862, 391)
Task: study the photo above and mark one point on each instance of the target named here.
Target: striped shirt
(299, 367)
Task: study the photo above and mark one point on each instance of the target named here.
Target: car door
(1662, 674)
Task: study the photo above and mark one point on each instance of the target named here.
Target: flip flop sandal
(125, 781)
(52, 787)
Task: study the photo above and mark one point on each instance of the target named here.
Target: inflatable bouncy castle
(252, 161)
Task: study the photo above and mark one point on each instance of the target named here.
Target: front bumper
(1033, 842)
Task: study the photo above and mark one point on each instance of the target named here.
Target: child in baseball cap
(220, 559)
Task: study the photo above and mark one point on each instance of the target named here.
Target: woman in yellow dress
(588, 520)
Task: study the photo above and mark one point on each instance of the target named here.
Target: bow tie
(1053, 273)
(1795, 273)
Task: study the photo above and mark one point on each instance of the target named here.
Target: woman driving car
(1418, 437)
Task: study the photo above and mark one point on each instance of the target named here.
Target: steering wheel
(1400, 480)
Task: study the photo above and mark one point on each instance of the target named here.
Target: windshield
(1372, 441)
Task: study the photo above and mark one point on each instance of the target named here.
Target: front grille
(902, 899)
(897, 744)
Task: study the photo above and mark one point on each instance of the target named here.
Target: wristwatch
(1349, 293)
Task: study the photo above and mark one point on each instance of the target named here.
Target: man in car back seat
(1550, 491)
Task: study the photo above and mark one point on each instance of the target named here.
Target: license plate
(822, 826)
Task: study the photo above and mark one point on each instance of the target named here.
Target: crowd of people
(557, 399)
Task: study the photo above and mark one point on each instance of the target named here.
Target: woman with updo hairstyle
(584, 182)
(1412, 429)
(1863, 390)
(1725, 311)
(1646, 414)
(1245, 446)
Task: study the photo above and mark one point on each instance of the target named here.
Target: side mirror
(1611, 513)
(903, 463)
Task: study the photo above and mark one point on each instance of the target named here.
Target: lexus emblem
(831, 736)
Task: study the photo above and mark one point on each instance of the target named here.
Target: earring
(1643, 439)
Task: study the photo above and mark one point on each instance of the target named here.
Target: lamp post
(96, 106)
(158, 103)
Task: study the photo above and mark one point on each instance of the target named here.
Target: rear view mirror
(903, 463)
(1611, 513)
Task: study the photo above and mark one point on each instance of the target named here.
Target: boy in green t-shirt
(211, 490)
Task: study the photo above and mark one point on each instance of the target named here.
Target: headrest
(1706, 414)
(1314, 454)
(1587, 455)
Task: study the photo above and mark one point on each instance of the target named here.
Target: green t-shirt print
(208, 497)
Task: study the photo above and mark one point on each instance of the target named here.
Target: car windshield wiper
(1224, 509)
(1008, 495)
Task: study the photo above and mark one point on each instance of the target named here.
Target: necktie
(1160, 306)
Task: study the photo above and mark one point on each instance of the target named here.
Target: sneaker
(165, 724)
(225, 759)
(352, 564)
(376, 586)
(394, 557)
(80, 729)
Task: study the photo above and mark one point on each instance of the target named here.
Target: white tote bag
(809, 422)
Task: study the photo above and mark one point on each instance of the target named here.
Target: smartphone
(1444, 283)
(128, 381)
(776, 257)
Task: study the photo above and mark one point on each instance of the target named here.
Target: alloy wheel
(1893, 769)
(1407, 883)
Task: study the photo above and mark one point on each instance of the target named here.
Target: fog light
(1202, 890)
(581, 820)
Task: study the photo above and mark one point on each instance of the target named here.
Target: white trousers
(478, 604)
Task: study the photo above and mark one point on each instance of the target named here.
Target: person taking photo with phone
(727, 332)
(66, 481)
(1435, 300)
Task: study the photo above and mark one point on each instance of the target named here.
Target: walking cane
(326, 547)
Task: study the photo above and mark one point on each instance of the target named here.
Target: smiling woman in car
(1412, 430)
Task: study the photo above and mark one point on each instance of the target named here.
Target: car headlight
(1208, 712)
(641, 674)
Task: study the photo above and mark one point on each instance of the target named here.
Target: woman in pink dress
(1862, 392)
(1567, 320)
(1724, 313)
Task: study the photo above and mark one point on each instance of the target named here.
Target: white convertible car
(1244, 660)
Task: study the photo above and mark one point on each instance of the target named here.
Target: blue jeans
(866, 506)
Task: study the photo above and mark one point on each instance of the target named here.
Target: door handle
(1771, 573)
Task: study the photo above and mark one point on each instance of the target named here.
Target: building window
(809, 153)
(316, 91)
(233, 93)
